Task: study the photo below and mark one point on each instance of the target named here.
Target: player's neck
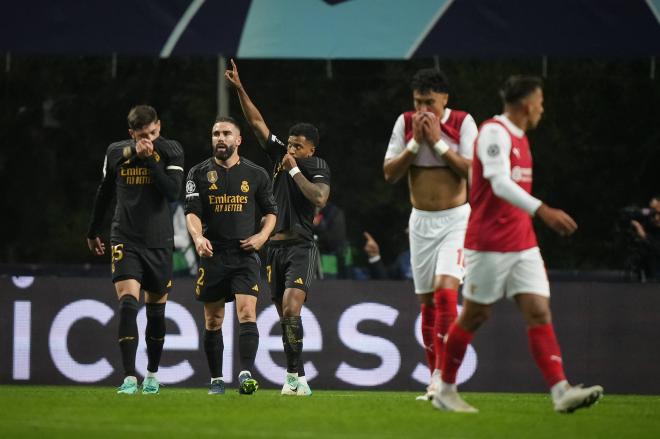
(231, 161)
(518, 119)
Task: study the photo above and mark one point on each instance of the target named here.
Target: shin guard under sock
(445, 314)
(128, 332)
(213, 348)
(292, 330)
(155, 334)
(248, 343)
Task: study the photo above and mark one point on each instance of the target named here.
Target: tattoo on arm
(317, 193)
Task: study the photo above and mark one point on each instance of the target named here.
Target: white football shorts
(492, 276)
(436, 245)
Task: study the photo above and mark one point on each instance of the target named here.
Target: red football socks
(445, 314)
(457, 342)
(428, 316)
(546, 353)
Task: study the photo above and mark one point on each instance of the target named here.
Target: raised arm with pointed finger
(250, 111)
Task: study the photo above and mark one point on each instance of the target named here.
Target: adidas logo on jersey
(255, 288)
(299, 281)
(213, 187)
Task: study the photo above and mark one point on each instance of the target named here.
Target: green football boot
(128, 387)
(150, 386)
(246, 384)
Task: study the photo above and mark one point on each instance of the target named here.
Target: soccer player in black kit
(222, 194)
(301, 185)
(145, 173)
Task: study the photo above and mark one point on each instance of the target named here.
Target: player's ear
(239, 140)
(130, 133)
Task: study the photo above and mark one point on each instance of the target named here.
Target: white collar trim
(510, 126)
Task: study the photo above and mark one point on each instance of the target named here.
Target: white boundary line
(428, 29)
(180, 27)
(653, 9)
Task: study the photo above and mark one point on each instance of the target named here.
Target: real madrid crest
(212, 176)
(127, 152)
(156, 156)
(245, 187)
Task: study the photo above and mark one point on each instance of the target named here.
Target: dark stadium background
(596, 150)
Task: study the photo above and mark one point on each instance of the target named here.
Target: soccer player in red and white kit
(433, 145)
(502, 256)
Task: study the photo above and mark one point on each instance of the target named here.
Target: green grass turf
(92, 412)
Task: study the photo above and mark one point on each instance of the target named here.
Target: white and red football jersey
(495, 224)
(458, 130)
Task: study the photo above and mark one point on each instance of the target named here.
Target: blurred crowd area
(596, 152)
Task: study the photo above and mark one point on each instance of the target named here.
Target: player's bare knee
(538, 316)
(246, 314)
(291, 310)
(425, 299)
(213, 323)
(154, 297)
(121, 292)
(446, 281)
(474, 316)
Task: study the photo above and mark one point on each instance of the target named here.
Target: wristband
(412, 146)
(374, 259)
(293, 171)
(441, 147)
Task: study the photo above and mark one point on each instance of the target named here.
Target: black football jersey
(296, 212)
(225, 199)
(143, 188)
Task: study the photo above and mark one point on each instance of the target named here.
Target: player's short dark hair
(141, 116)
(432, 79)
(230, 120)
(308, 130)
(518, 87)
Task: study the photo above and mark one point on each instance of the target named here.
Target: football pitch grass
(92, 412)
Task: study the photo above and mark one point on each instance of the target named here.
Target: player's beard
(224, 154)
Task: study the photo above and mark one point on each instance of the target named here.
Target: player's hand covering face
(148, 132)
(289, 162)
(300, 147)
(225, 140)
(430, 101)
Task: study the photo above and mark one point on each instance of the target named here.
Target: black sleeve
(377, 270)
(274, 147)
(104, 195)
(264, 195)
(193, 202)
(315, 169)
(169, 180)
